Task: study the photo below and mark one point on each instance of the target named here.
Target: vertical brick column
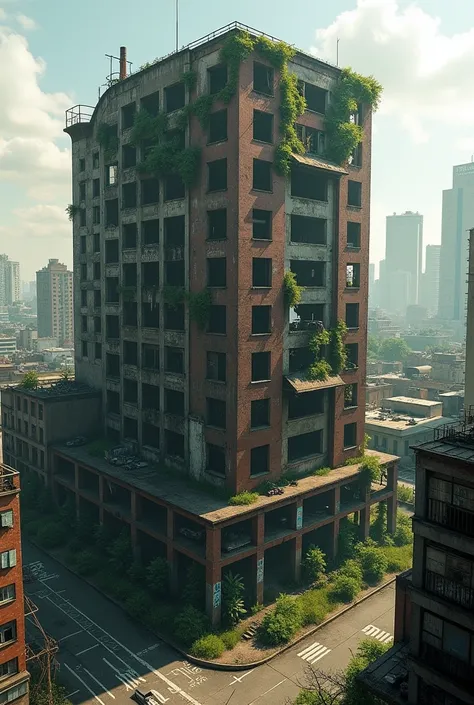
(213, 575)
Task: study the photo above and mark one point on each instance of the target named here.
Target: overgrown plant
(233, 598)
(291, 291)
(30, 380)
(173, 295)
(337, 353)
(189, 79)
(108, 139)
(200, 307)
(72, 211)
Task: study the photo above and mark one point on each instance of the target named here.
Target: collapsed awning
(301, 384)
(318, 163)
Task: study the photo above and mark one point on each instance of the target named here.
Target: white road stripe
(309, 648)
(268, 691)
(320, 656)
(314, 652)
(74, 692)
(375, 633)
(94, 646)
(63, 638)
(99, 683)
(388, 639)
(84, 684)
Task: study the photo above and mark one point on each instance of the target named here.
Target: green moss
(148, 127)
(244, 498)
(201, 108)
(200, 306)
(189, 78)
(173, 295)
(291, 290)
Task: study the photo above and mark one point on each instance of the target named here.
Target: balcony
(451, 516)
(9, 479)
(446, 663)
(449, 590)
(78, 114)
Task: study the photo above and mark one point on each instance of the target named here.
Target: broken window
(129, 236)
(174, 232)
(174, 317)
(316, 98)
(129, 156)
(259, 460)
(82, 191)
(150, 191)
(113, 402)
(356, 157)
(175, 97)
(112, 365)
(260, 413)
(216, 413)
(307, 404)
(216, 366)
(261, 319)
(150, 397)
(97, 298)
(84, 324)
(130, 352)
(305, 445)
(308, 272)
(98, 351)
(217, 319)
(150, 315)
(174, 402)
(96, 242)
(309, 183)
(150, 357)
(82, 217)
(215, 459)
(150, 435)
(96, 215)
(262, 175)
(130, 391)
(97, 324)
(263, 78)
(309, 317)
(350, 396)
(353, 234)
(217, 175)
(308, 230)
(112, 326)
(111, 251)
(217, 76)
(174, 187)
(263, 126)
(83, 297)
(174, 273)
(129, 274)
(150, 274)
(129, 195)
(217, 224)
(96, 271)
(261, 224)
(111, 212)
(82, 164)
(83, 242)
(111, 175)
(216, 272)
(95, 188)
(353, 275)
(95, 160)
(352, 350)
(261, 366)
(354, 194)
(128, 115)
(151, 232)
(130, 428)
(261, 272)
(314, 141)
(130, 313)
(174, 443)
(174, 360)
(350, 435)
(217, 126)
(84, 351)
(352, 315)
(300, 359)
(151, 103)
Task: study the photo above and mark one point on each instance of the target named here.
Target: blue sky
(422, 52)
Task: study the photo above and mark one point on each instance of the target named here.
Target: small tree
(372, 560)
(379, 527)
(30, 380)
(194, 591)
(157, 576)
(232, 598)
(314, 564)
(120, 552)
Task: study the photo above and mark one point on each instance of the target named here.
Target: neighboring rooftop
(402, 422)
(384, 677)
(455, 441)
(58, 389)
(414, 400)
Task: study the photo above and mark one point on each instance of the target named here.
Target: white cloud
(27, 23)
(43, 221)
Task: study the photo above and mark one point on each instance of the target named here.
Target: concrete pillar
(258, 530)
(334, 539)
(364, 524)
(392, 514)
(415, 629)
(258, 571)
(213, 575)
(392, 477)
(296, 558)
(421, 491)
(133, 525)
(335, 500)
(170, 524)
(412, 688)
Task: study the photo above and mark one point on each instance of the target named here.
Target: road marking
(150, 648)
(375, 633)
(161, 698)
(268, 691)
(88, 649)
(314, 653)
(130, 678)
(84, 684)
(239, 680)
(49, 577)
(99, 683)
(63, 638)
(74, 692)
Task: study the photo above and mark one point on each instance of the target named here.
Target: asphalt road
(104, 655)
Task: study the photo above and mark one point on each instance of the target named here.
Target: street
(104, 655)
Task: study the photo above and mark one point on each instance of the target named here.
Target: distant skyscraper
(10, 287)
(55, 302)
(458, 217)
(429, 289)
(404, 250)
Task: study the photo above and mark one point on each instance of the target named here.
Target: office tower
(10, 285)
(404, 250)
(429, 289)
(55, 302)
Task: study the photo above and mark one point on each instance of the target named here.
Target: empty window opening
(216, 412)
(111, 175)
(150, 274)
(150, 397)
(128, 115)
(129, 195)
(174, 444)
(129, 156)
(95, 160)
(261, 272)
(217, 175)
(97, 324)
(174, 317)
(150, 357)
(175, 97)
(95, 188)
(261, 224)
(151, 103)
(111, 212)
(217, 76)
(130, 428)
(356, 157)
(112, 365)
(129, 236)
(261, 319)
(96, 271)
(84, 324)
(354, 194)
(261, 366)
(353, 275)
(300, 359)
(352, 350)
(263, 126)
(307, 404)
(217, 319)
(96, 216)
(308, 317)
(306, 229)
(150, 191)
(215, 459)
(83, 297)
(129, 274)
(113, 402)
(97, 298)
(82, 164)
(150, 435)
(309, 183)
(216, 366)
(8, 631)
(96, 242)
(98, 351)
(174, 273)
(112, 327)
(352, 315)
(174, 360)
(263, 78)
(262, 175)
(130, 313)
(316, 98)
(174, 402)
(83, 272)
(174, 233)
(305, 445)
(350, 396)
(82, 191)
(150, 315)
(130, 352)
(83, 245)
(216, 271)
(174, 187)
(260, 413)
(353, 234)
(111, 251)
(151, 232)
(130, 391)
(217, 126)
(350, 435)
(217, 224)
(314, 141)
(308, 272)
(259, 460)
(82, 217)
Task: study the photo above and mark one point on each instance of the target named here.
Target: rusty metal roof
(317, 163)
(302, 384)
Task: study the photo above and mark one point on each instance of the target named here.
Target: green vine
(108, 140)
(201, 108)
(292, 106)
(343, 136)
(200, 307)
(335, 357)
(174, 295)
(72, 211)
(291, 291)
(189, 79)
(337, 353)
(148, 127)
(370, 470)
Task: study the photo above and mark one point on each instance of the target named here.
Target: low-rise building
(7, 345)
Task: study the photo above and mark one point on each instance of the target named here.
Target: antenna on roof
(337, 51)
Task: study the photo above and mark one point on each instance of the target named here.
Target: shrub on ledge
(243, 498)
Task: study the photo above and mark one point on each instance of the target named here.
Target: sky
(52, 55)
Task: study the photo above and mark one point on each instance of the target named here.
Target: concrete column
(392, 514)
(170, 524)
(421, 491)
(133, 525)
(334, 539)
(258, 530)
(213, 575)
(335, 500)
(392, 477)
(364, 523)
(412, 688)
(296, 558)
(415, 629)
(258, 568)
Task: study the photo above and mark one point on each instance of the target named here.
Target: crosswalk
(314, 653)
(375, 633)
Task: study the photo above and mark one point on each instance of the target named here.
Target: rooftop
(454, 440)
(384, 676)
(402, 422)
(58, 389)
(415, 400)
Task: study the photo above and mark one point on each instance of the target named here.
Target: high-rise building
(457, 219)
(54, 286)
(404, 250)
(429, 289)
(10, 285)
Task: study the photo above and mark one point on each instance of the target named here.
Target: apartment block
(55, 302)
(9, 281)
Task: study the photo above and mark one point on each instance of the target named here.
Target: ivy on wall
(331, 343)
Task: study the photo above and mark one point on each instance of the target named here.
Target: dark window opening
(82, 164)
(309, 183)
(150, 191)
(96, 242)
(150, 357)
(130, 314)
(316, 98)
(82, 191)
(150, 397)
(353, 275)
(174, 360)
(96, 271)
(82, 217)
(111, 171)
(217, 126)
(95, 160)
(113, 402)
(130, 428)
(174, 187)
(300, 359)
(98, 351)
(353, 234)
(150, 315)
(217, 224)
(151, 232)
(112, 327)
(217, 319)
(263, 78)
(111, 251)
(308, 273)
(129, 195)
(174, 402)
(261, 366)
(83, 272)
(217, 78)
(350, 396)
(262, 126)
(261, 272)
(130, 352)
(129, 156)
(83, 297)
(97, 324)
(151, 103)
(151, 274)
(259, 460)
(352, 315)
(174, 273)
(174, 234)
(260, 413)
(216, 413)
(111, 212)
(129, 274)
(215, 459)
(308, 230)
(129, 236)
(354, 194)
(216, 271)
(130, 391)
(261, 224)
(150, 435)
(174, 317)
(216, 366)
(97, 298)
(352, 350)
(83, 245)
(84, 351)
(95, 188)
(261, 319)
(175, 97)
(350, 435)
(217, 175)
(177, 137)
(305, 445)
(84, 324)
(307, 404)
(112, 365)
(309, 317)
(174, 443)
(314, 141)
(95, 216)
(262, 175)
(128, 115)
